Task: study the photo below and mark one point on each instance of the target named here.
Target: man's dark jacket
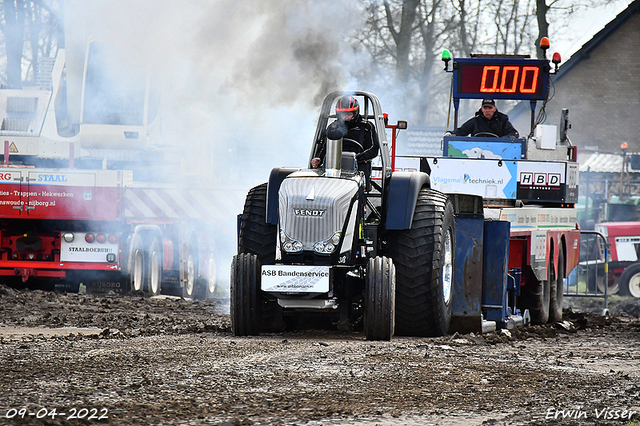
(364, 134)
(499, 125)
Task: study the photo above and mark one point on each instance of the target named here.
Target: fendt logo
(307, 212)
(539, 179)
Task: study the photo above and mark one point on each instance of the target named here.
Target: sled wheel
(245, 295)
(256, 235)
(536, 296)
(154, 263)
(379, 303)
(630, 281)
(137, 265)
(423, 259)
(557, 289)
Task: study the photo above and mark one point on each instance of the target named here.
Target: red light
(556, 58)
(113, 238)
(89, 238)
(101, 238)
(544, 43)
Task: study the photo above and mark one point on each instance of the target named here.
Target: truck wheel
(536, 296)
(245, 295)
(423, 259)
(136, 277)
(189, 288)
(557, 289)
(630, 281)
(212, 277)
(154, 262)
(379, 303)
(205, 287)
(256, 235)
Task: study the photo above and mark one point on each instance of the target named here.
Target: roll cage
(370, 109)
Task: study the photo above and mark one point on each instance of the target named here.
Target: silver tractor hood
(313, 212)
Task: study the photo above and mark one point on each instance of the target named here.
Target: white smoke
(242, 80)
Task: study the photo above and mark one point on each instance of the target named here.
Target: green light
(446, 55)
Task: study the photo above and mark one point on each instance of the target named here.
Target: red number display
(521, 80)
(510, 82)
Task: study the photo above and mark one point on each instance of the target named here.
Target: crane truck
(87, 192)
(476, 239)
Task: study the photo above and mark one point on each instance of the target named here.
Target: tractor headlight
(328, 246)
(290, 245)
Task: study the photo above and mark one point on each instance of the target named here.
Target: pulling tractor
(319, 240)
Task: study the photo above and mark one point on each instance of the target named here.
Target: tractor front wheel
(379, 303)
(245, 295)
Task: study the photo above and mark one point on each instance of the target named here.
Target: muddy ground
(131, 360)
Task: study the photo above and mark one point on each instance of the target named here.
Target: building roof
(605, 163)
(597, 39)
(421, 140)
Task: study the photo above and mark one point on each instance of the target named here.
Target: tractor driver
(488, 121)
(363, 137)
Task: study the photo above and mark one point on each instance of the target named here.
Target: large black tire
(256, 235)
(536, 296)
(259, 237)
(245, 295)
(137, 270)
(153, 279)
(630, 281)
(379, 303)
(557, 289)
(423, 258)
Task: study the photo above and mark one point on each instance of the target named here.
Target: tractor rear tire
(379, 303)
(536, 296)
(630, 281)
(245, 295)
(557, 289)
(256, 235)
(423, 258)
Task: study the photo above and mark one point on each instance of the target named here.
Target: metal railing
(590, 278)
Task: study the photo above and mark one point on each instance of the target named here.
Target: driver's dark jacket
(499, 125)
(365, 135)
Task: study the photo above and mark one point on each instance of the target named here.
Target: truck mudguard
(401, 196)
(276, 177)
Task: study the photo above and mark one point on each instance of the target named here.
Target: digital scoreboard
(500, 78)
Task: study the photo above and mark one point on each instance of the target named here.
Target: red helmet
(347, 108)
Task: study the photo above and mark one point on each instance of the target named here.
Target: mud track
(148, 361)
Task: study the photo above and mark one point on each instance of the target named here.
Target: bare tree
(30, 31)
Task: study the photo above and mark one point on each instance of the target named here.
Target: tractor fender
(401, 195)
(277, 175)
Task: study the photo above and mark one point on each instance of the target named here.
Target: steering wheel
(493, 135)
(352, 146)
